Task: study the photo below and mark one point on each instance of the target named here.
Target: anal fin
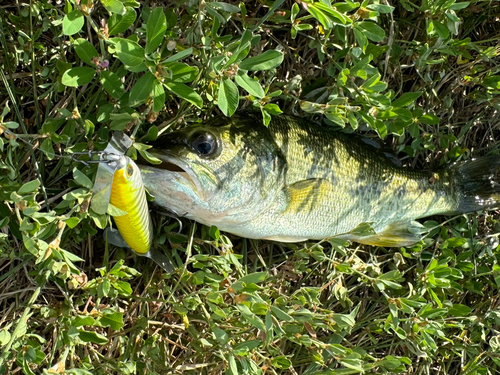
(394, 235)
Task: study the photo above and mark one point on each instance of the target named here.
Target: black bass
(295, 180)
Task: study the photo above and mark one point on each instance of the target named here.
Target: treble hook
(104, 157)
(171, 215)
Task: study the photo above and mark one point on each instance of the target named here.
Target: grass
(422, 76)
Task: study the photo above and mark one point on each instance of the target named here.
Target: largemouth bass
(295, 180)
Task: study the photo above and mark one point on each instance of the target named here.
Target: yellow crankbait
(119, 182)
(127, 194)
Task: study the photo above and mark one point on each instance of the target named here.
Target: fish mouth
(177, 168)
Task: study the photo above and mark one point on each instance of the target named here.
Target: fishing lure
(119, 182)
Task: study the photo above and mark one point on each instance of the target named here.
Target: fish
(295, 180)
(119, 183)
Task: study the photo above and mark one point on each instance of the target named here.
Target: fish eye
(130, 170)
(204, 144)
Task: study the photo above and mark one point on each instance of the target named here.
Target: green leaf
(119, 121)
(294, 12)
(171, 18)
(214, 232)
(268, 60)
(452, 17)
(185, 92)
(273, 109)
(180, 55)
(381, 128)
(73, 22)
(81, 179)
(460, 310)
(51, 125)
(253, 319)
(335, 118)
(353, 362)
(429, 119)
(149, 157)
(85, 50)
(371, 30)
(380, 8)
(112, 84)
(247, 346)
(129, 52)
(360, 38)
(256, 277)
(266, 117)
(158, 96)
(228, 99)
(406, 99)
(453, 242)
(123, 287)
(29, 187)
(281, 362)
(373, 80)
(104, 112)
(94, 337)
(225, 7)
(72, 222)
(80, 76)
(47, 148)
(441, 29)
(4, 337)
(252, 86)
(113, 320)
(326, 15)
(142, 89)
(281, 315)
(81, 321)
(458, 6)
(155, 29)
(182, 73)
(220, 335)
(119, 23)
(114, 6)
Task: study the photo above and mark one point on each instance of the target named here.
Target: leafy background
(423, 76)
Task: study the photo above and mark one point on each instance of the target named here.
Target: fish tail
(478, 184)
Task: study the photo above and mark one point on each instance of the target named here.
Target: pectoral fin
(394, 235)
(304, 195)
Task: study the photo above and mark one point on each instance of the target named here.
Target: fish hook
(172, 215)
(104, 157)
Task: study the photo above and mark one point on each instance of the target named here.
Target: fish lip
(185, 169)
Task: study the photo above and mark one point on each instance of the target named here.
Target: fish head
(223, 172)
